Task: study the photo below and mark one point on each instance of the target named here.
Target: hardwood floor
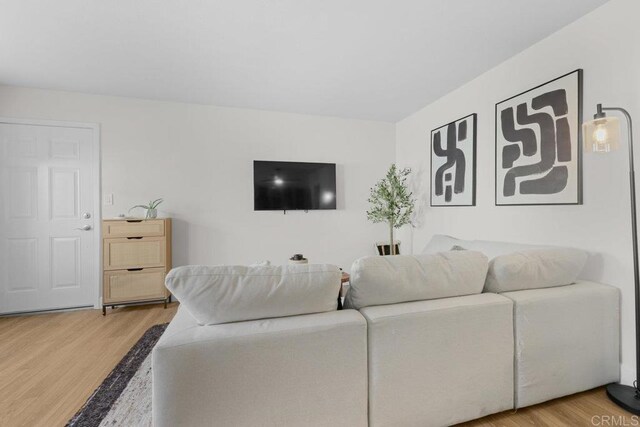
(590, 408)
(51, 363)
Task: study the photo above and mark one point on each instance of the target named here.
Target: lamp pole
(626, 396)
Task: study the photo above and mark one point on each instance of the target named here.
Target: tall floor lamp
(602, 135)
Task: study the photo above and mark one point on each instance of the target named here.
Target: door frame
(97, 188)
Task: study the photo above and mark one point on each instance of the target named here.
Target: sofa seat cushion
(567, 340)
(440, 362)
(380, 280)
(225, 294)
(534, 268)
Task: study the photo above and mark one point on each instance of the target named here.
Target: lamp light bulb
(600, 134)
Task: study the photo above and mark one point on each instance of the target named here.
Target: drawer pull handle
(134, 220)
(134, 237)
(135, 269)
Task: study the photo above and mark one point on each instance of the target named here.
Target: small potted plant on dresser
(152, 208)
(136, 259)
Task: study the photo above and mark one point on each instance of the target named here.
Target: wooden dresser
(136, 259)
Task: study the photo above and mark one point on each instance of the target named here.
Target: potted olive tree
(391, 201)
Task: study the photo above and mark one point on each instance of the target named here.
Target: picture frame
(453, 148)
(537, 136)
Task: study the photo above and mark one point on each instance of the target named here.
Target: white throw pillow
(224, 294)
(534, 268)
(382, 280)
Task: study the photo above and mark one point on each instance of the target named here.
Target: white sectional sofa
(422, 342)
(216, 366)
(566, 330)
(440, 351)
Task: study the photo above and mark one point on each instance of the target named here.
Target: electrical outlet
(108, 199)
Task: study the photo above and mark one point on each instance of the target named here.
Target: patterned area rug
(124, 397)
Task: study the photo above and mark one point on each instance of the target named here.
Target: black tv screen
(284, 186)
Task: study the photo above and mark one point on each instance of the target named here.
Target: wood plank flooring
(590, 408)
(51, 363)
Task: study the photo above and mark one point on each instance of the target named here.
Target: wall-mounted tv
(284, 186)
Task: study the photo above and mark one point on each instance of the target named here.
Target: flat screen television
(284, 186)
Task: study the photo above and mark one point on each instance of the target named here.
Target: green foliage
(390, 199)
(152, 205)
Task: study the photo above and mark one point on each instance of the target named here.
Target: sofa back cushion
(380, 280)
(224, 294)
(534, 268)
(442, 243)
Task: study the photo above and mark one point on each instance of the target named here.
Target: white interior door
(49, 216)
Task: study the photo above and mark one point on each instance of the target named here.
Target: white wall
(199, 159)
(605, 44)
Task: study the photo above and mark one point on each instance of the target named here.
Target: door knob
(84, 228)
(86, 215)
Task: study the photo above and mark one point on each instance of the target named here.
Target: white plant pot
(152, 213)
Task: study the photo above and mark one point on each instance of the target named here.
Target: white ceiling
(370, 59)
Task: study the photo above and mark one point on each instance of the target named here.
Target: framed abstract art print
(538, 155)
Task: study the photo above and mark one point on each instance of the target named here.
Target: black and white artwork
(453, 163)
(538, 156)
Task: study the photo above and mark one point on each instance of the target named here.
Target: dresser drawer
(124, 285)
(126, 253)
(133, 228)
